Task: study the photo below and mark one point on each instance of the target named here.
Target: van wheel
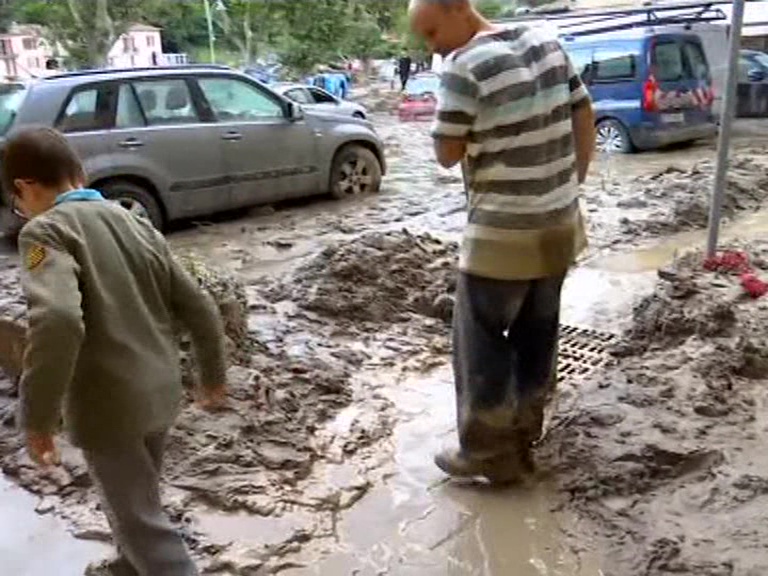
(355, 171)
(136, 199)
(613, 138)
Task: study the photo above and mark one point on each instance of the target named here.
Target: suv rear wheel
(135, 199)
(356, 171)
(613, 138)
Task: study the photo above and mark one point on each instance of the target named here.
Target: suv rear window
(11, 98)
(668, 62)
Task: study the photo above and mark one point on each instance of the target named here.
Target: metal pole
(211, 35)
(726, 122)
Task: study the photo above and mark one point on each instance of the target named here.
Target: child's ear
(22, 186)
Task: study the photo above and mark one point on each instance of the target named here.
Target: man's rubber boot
(504, 469)
(113, 567)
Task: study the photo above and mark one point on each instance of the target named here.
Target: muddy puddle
(323, 463)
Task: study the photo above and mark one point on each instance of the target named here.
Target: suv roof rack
(108, 71)
(682, 13)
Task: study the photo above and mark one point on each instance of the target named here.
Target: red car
(420, 98)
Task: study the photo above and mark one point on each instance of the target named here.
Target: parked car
(419, 99)
(314, 98)
(181, 142)
(649, 89)
(752, 89)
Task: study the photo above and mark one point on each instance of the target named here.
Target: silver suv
(172, 143)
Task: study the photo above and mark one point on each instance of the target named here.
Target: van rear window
(696, 61)
(668, 62)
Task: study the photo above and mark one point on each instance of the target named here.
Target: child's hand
(42, 449)
(212, 399)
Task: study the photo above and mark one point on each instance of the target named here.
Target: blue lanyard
(84, 195)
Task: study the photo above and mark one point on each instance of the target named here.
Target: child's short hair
(42, 155)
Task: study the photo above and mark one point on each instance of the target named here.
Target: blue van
(649, 89)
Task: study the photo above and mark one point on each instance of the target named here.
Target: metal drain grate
(582, 350)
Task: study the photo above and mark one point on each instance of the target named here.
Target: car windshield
(11, 97)
(423, 85)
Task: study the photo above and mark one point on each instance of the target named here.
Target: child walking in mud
(103, 294)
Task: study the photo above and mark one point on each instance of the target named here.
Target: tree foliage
(303, 33)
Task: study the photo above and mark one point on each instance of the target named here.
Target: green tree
(86, 29)
(183, 23)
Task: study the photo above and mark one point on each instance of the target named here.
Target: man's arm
(51, 285)
(582, 119)
(197, 311)
(457, 106)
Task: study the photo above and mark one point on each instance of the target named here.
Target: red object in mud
(728, 261)
(418, 107)
(736, 262)
(753, 285)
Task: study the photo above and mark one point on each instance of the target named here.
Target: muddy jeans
(505, 355)
(128, 479)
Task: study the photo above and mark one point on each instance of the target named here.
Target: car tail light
(650, 90)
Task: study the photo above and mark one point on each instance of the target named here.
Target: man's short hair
(41, 155)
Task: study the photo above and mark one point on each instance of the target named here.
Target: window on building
(5, 48)
(150, 41)
(29, 43)
(129, 45)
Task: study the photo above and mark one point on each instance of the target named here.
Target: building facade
(25, 52)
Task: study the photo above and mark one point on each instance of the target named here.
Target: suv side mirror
(295, 112)
(756, 75)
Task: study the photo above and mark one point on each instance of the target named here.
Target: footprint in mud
(666, 464)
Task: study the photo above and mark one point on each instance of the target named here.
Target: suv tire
(612, 137)
(355, 171)
(135, 199)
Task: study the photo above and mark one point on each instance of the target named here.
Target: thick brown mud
(341, 390)
(662, 451)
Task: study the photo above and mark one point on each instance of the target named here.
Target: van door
(699, 82)
(669, 71)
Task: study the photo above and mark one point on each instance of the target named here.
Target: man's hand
(450, 151)
(42, 449)
(212, 398)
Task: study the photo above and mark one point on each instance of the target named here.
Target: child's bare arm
(56, 329)
(197, 311)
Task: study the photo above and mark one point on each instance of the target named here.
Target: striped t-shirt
(510, 94)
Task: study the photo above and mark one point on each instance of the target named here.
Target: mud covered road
(322, 462)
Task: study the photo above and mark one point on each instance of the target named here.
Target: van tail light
(650, 90)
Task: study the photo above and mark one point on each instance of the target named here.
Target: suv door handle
(131, 143)
(232, 136)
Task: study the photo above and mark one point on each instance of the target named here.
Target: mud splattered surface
(321, 464)
(670, 433)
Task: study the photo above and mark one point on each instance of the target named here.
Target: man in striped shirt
(514, 112)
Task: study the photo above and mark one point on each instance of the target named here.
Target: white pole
(724, 139)
(211, 35)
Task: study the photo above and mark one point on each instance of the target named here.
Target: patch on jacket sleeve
(35, 256)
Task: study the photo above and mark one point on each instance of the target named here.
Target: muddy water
(34, 545)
